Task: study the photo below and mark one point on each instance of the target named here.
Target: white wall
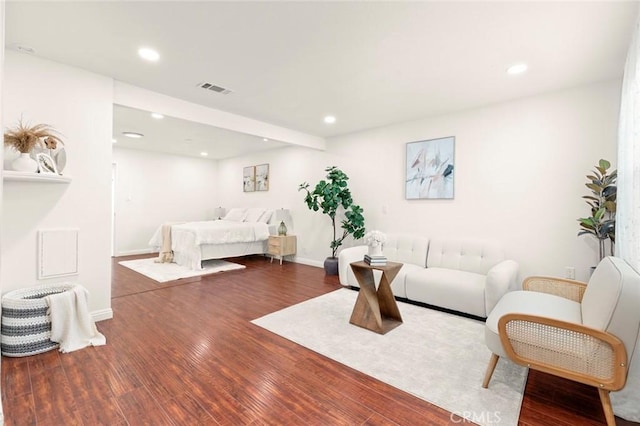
(520, 173)
(288, 168)
(79, 105)
(519, 177)
(154, 188)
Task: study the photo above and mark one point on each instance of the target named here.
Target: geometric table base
(375, 310)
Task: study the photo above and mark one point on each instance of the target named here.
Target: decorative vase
(24, 163)
(375, 250)
(282, 229)
(331, 266)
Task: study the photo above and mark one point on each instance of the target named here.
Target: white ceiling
(368, 63)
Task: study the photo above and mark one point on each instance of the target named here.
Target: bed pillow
(266, 216)
(236, 215)
(254, 214)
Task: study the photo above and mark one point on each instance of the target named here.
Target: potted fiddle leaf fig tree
(601, 223)
(332, 196)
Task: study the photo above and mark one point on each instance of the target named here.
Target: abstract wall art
(430, 169)
(262, 177)
(249, 179)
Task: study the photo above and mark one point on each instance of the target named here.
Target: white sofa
(462, 275)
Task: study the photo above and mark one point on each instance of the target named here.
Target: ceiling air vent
(214, 88)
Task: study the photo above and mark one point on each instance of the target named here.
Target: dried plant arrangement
(25, 137)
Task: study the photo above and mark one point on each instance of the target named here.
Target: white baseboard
(102, 314)
(132, 252)
(309, 262)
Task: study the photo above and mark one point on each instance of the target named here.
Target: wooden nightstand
(281, 245)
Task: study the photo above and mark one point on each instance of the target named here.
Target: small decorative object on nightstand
(282, 245)
(282, 215)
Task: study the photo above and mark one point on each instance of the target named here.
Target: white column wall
(79, 105)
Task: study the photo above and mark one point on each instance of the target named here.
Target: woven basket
(26, 325)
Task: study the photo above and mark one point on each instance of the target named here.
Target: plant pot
(24, 163)
(331, 266)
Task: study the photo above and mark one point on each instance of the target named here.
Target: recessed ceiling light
(204, 154)
(133, 135)
(329, 119)
(157, 116)
(265, 139)
(114, 140)
(148, 54)
(517, 69)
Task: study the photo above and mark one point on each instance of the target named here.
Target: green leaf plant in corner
(330, 196)
(602, 201)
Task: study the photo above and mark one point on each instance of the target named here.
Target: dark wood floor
(185, 353)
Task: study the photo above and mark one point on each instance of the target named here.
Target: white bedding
(218, 232)
(187, 239)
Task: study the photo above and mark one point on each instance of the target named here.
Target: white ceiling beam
(136, 97)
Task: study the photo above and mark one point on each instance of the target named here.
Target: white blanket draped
(71, 322)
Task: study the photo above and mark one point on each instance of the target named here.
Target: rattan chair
(582, 332)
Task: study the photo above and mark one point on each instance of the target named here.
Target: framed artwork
(249, 179)
(430, 169)
(46, 163)
(262, 177)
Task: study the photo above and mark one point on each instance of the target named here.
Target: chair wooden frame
(606, 366)
(569, 289)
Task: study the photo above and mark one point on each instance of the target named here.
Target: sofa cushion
(448, 288)
(465, 255)
(407, 249)
(399, 284)
(528, 302)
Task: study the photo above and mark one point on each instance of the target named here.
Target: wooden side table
(376, 310)
(281, 245)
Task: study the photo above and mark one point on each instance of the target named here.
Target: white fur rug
(163, 272)
(435, 356)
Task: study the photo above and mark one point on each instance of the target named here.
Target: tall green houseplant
(329, 196)
(602, 201)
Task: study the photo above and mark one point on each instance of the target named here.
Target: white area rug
(163, 272)
(435, 356)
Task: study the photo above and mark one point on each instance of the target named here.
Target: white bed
(241, 232)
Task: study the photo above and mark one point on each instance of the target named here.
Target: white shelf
(10, 175)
